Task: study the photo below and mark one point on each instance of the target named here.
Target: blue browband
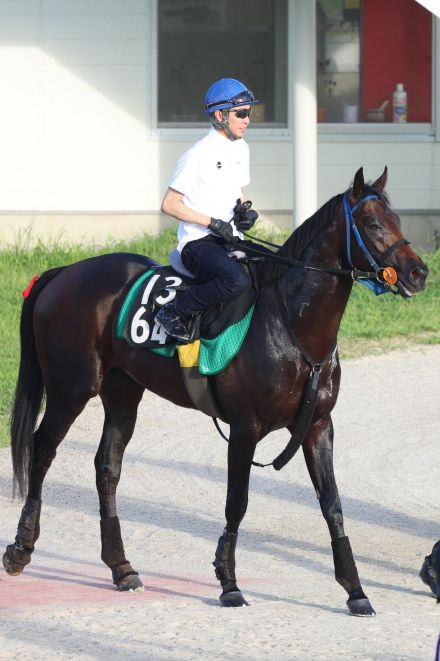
(375, 284)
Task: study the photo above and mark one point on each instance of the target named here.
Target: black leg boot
(18, 555)
(224, 564)
(430, 572)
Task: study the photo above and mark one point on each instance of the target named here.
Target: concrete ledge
(29, 229)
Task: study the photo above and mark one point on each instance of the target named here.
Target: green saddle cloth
(215, 354)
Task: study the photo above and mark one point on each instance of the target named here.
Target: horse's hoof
(361, 607)
(126, 578)
(130, 583)
(233, 599)
(11, 568)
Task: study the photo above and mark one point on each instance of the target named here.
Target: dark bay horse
(69, 351)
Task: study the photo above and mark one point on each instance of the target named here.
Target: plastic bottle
(399, 105)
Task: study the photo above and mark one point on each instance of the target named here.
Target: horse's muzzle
(414, 283)
(417, 277)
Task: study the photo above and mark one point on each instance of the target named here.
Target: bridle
(380, 280)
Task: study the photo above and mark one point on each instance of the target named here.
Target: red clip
(27, 291)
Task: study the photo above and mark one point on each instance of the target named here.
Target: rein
(377, 280)
(356, 274)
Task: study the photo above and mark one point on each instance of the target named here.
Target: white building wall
(414, 169)
(78, 142)
(74, 86)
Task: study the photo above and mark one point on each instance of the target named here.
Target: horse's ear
(382, 181)
(358, 183)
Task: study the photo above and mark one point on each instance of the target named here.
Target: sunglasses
(242, 113)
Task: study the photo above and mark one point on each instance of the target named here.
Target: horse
(70, 352)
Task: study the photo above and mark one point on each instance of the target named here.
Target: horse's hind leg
(120, 396)
(59, 415)
(318, 452)
(241, 450)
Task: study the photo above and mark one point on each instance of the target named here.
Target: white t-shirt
(211, 176)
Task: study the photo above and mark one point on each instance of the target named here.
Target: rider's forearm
(177, 209)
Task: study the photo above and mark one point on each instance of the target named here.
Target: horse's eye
(374, 226)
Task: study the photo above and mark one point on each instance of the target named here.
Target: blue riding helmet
(228, 93)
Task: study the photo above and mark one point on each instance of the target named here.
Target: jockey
(205, 191)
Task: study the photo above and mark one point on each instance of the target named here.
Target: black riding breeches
(220, 278)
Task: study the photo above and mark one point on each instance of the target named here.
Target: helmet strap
(223, 124)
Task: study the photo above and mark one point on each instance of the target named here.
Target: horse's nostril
(418, 275)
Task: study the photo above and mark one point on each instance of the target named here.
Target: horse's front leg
(241, 450)
(318, 452)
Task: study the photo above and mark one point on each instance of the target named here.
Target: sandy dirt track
(171, 504)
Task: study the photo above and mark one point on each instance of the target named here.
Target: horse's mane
(302, 237)
(298, 241)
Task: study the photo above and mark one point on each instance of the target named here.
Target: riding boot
(174, 322)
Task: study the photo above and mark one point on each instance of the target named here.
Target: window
(201, 41)
(365, 48)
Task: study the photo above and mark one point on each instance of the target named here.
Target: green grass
(18, 265)
(370, 324)
(388, 317)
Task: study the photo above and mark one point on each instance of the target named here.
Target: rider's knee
(237, 283)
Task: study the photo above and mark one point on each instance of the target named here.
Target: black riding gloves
(222, 229)
(244, 217)
(247, 222)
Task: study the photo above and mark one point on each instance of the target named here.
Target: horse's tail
(29, 389)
